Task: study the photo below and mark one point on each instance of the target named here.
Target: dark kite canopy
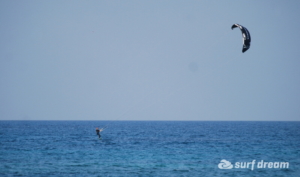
(246, 36)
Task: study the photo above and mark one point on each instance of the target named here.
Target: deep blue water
(147, 148)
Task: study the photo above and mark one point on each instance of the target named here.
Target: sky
(149, 60)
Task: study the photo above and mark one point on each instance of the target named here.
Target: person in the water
(98, 132)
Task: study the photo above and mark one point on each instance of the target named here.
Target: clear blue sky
(149, 60)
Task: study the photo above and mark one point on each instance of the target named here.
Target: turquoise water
(147, 148)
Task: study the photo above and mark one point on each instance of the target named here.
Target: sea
(150, 148)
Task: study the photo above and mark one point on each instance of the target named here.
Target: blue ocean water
(149, 148)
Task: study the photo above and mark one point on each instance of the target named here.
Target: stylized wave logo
(224, 164)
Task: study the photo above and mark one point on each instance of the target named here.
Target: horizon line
(165, 120)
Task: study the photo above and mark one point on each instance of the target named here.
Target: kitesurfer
(98, 132)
